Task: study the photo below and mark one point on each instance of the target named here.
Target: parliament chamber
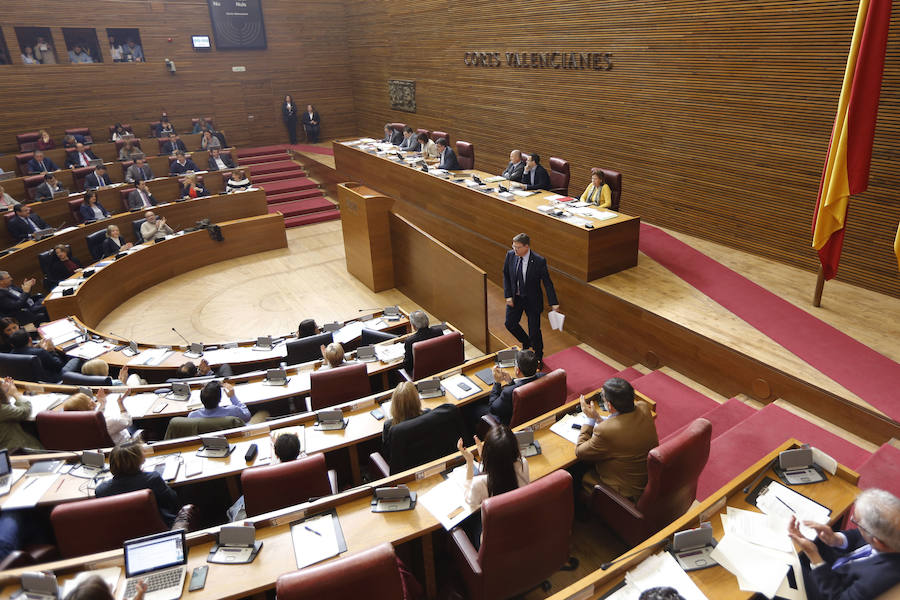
(288, 340)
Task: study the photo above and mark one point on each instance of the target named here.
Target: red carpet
(751, 439)
(629, 374)
(676, 404)
(882, 470)
(724, 416)
(857, 367)
(584, 372)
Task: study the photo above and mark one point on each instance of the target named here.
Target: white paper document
(42, 402)
(90, 350)
(781, 503)
(659, 570)
(137, 405)
(556, 319)
(523, 193)
(348, 332)
(29, 493)
(315, 539)
(389, 352)
(151, 357)
(569, 427)
(460, 386)
(447, 502)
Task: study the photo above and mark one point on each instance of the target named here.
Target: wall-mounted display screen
(237, 24)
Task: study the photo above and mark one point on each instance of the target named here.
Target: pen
(61, 481)
(786, 504)
(308, 528)
(33, 479)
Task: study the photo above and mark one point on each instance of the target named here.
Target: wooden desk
(23, 263)
(128, 276)
(586, 254)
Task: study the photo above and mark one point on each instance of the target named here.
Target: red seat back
(334, 386)
(436, 135)
(398, 126)
(278, 486)
(101, 524)
(559, 175)
(372, 574)
(537, 397)
(79, 175)
(74, 209)
(28, 141)
(31, 183)
(614, 180)
(437, 354)
(74, 430)
(425, 131)
(22, 162)
(465, 154)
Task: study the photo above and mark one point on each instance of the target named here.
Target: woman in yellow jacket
(597, 192)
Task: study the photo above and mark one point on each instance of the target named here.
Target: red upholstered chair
(436, 135)
(278, 486)
(525, 539)
(160, 142)
(31, 183)
(398, 126)
(79, 175)
(84, 132)
(22, 162)
(75, 430)
(123, 196)
(537, 397)
(673, 469)
(437, 354)
(559, 176)
(425, 131)
(372, 574)
(333, 386)
(74, 206)
(465, 154)
(614, 180)
(28, 141)
(101, 524)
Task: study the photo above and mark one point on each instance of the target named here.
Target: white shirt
(477, 489)
(220, 163)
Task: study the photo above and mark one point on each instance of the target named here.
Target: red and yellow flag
(846, 169)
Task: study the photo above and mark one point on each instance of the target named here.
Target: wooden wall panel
(718, 113)
(306, 57)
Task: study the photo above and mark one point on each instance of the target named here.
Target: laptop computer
(160, 561)
(38, 586)
(180, 392)
(5, 472)
(95, 162)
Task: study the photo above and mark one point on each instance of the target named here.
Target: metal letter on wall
(403, 94)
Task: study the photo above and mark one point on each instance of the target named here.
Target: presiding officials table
(609, 245)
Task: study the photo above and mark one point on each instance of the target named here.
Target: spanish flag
(846, 169)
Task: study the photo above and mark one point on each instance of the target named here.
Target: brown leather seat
(31, 183)
(155, 126)
(79, 174)
(437, 354)
(22, 162)
(614, 180)
(525, 538)
(74, 209)
(425, 131)
(436, 135)
(84, 132)
(538, 397)
(28, 141)
(398, 126)
(123, 196)
(75, 430)
(673, 469)
(101, 524)
(372, 574)
(465, 155)
(334, 386)
(278, 486)
(559, 176)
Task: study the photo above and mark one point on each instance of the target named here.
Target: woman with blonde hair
(405, 405)
(117, 426)
(332, 356)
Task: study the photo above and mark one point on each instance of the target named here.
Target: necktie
(34, 227)
(520, 279)
(861, 552)
(144, 198)
(84, 159)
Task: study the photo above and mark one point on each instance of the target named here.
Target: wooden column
(367, 235)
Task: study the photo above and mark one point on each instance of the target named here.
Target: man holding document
(856, 563)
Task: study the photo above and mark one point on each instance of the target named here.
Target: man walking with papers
(523, 272)
(856, 563)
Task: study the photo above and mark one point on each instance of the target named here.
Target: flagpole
(820, 285)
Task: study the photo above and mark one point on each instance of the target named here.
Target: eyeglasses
(860, 527)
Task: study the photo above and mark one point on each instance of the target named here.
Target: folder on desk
(317, 538)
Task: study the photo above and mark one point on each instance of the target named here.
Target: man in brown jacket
(618, 445)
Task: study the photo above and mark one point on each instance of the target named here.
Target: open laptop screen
(154, 552)
(5, 468)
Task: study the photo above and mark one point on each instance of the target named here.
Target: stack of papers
(60, 331)
(389, 352)
(523, 193)
(460, 386)
(494, 179)
(447, 500)
(42, 402)
(659, 570)
(30, 491)
(151, 357)
(781, 503)
(137, 405)
(556, 320)
(90, 350)
(348, 332)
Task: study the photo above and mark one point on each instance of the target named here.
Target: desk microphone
(368, 309)
(607, 565)
(759, 477)
(182, 337)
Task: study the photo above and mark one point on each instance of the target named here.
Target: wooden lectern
(365, 220)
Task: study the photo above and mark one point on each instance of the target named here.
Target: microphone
(368, 309)
(607, 565)
(182, 337)
(759, 477)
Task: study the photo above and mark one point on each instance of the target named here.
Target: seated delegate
(237, 181)
(113, 244)
(515, 168)
(192, 189)
(97, 179)
(419, 321)
(181, 164)
(48, 189)
(500, 403)
(154, 227)
(173, 145)
(448, 160)
(117, 426)
(597, 192)
(23, 223)
(211, 395)
(140, 197)
(18, 301)
(14, 409)
(40, 164)
(80, 157)
(427, 147)
(52, 362)
(410, 142)
(62, 265)
(209, 141)
(218, 161)
(139, 171)
(7, 202)
(91, 209)
(130, 151)
(405, 406)
(535, 177)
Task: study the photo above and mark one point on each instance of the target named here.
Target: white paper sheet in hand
(758, 528)
(756, 568)
(556, 319)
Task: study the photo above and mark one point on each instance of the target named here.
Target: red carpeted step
(882, 470)
(316, 217)
(300, 207)
(289, 185)
(584, 372)
(259, 150)
(291, 196)
(282, 166)
(751, 439)
(724, 416)
(676, 404)
(629, 374)
(269, 177)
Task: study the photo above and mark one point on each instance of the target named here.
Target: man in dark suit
(219, 161)
(19, 303)
(448, 160)
(419, 321)
(141, 197)
(52, 364)
(46, 190)
(173, 145)
(311, 121)
(523, 272)
(80, 157)
(855, 563)
(40, 164)
(515, 168)
(410, 141)
(535, 177)
(181, 165)
(500, 402)
(97, 179)
(391, 135)
(139, 171)
(23, 223)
